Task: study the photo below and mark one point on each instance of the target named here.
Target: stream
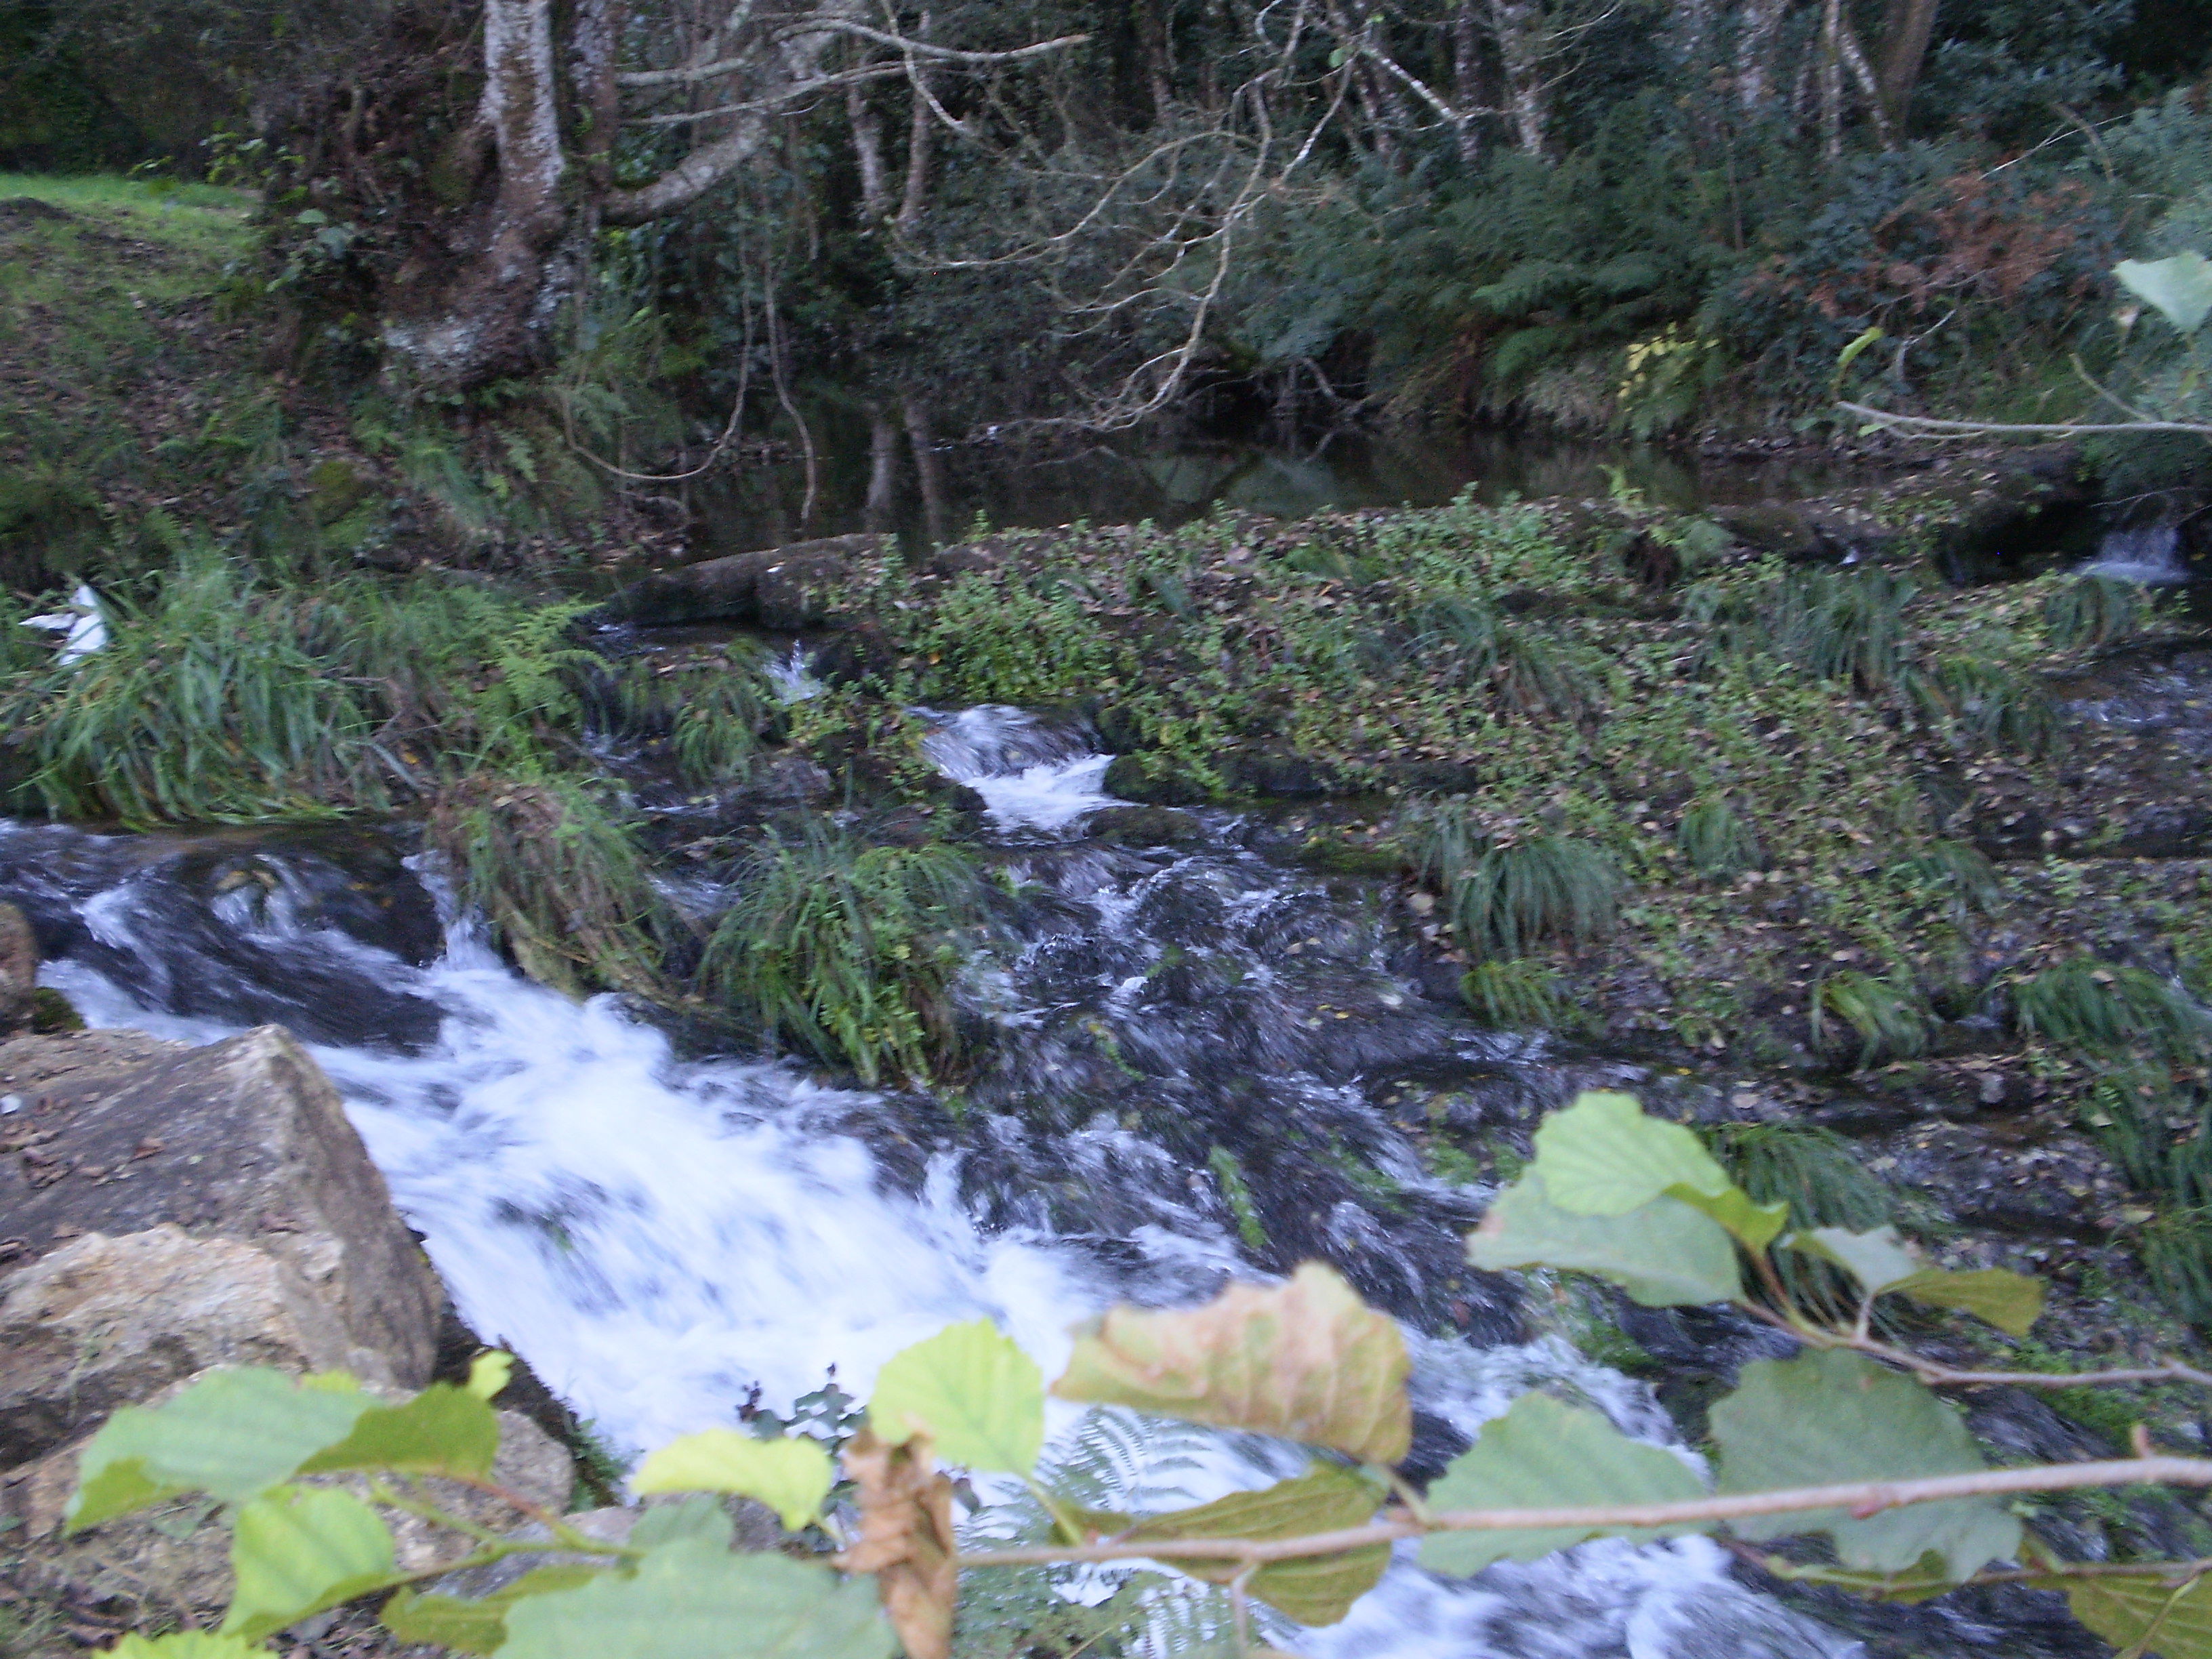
(1204, 1060)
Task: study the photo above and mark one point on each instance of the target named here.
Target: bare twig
(1927, 426)
(1859, 1498)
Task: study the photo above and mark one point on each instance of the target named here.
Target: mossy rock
(1153, 781)
(52, 1013)
(1146, 826)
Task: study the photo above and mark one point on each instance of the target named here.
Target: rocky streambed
(1317, 862)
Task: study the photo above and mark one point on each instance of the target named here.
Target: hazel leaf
(791, 1476)
(2012, 1301)
(1316, 1590)
(1831, 1417)
(1605, 1156)
(299, 1550)
(972, 1391)
(1664, 1254)
(1541, 1454)
(1306, 1360)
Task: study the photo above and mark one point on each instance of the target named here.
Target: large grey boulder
(18, 970)
(228, 1177)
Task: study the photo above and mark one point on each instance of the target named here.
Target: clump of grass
(2092, 610)
(1842, 625)
(1503, 899)
(561, 884)
(1717, 839)
(2108, 1008)
(712, 713)
(1816, 1173)
(1813, 1170)
(849, 951)
(489, 679)
(1961, 876)
(1985, 703)
(203, 707)
(1533, 671)
(1519, 995)
(2176, 1251)
(1889, 1017)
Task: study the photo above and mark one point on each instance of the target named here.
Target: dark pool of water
(896, 472)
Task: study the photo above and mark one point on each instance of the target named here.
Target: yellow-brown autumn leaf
(1306, 1360)
(906, 1539)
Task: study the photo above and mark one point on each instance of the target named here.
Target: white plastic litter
(83, 625)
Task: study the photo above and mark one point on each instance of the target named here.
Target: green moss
(53, 1013)
(1237, 1192)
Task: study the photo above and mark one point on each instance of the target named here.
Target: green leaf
(792, 1476)
(2174, 1621)
(488, 1373)
(233, 1435)
(477, 1624)
(1878, 1260)
(1542, 1453)
(1306, 1360)
(977, 1396)
(1663, 1255)
(2179, 288)
(186, 1644)
(1755, 1225)
(2012, 1301)
(1319, 1590)
(694, 1517)
(1603, 1155)
(442, 1431)
(689, 1600)
(1831, 1417)
(301, 1550)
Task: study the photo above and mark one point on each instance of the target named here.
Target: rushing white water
(2151, 555)
(655, 1237)
(1029, 774)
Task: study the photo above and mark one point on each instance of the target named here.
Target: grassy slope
(122, 390)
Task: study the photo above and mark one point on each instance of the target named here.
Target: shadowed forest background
(650, 225)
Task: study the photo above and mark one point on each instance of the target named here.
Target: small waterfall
(1031, 774)
(2150, 555)
(793, 677)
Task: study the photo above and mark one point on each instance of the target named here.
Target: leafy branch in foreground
(1847, 1440)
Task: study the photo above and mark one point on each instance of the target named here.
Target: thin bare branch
(1858, 1499)
(690, 74)
(1911, 426)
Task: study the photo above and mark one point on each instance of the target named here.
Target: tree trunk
(1757, 39)
(1907, 27)
(876, 516)
(1466, 79)
(868, 151)
(920, 138)
(487, 309)
(1517, 25)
